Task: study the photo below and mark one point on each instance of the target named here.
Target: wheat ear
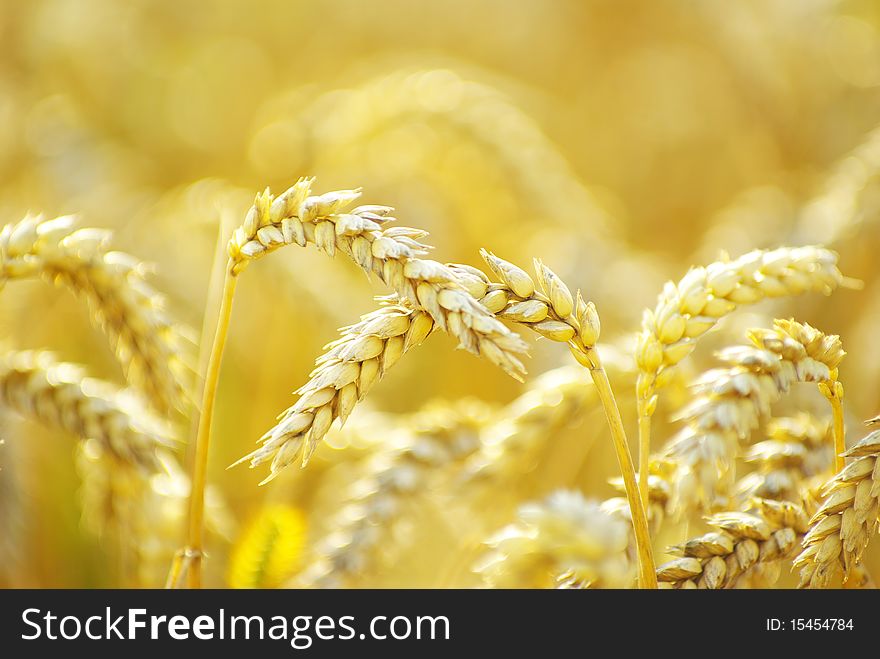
(147, 341)
(840, 530)
(730, 402)
(59, 395)
(343, 375)
(741, 543)
(564, 537)
(554, 313)
(687, 310)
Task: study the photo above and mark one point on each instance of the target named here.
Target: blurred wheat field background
(618, 142)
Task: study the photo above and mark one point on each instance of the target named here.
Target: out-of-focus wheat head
(744, 136)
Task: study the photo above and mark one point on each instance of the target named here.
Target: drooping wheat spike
(59, 395)
(142, 512)
(742, 543)
(297, 217)
(840, 530)
(564, 537)
(343, 375)
(429, 445)
(392, 254)
(731, 402)
(147, 341)
(269, 550)
(687, 310)
(798, 448)
(554, 313)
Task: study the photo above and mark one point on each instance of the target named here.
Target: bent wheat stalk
(553, 312)
(840, 530)
(147, 342)
(687, 310)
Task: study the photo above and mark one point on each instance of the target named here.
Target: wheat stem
(833, 391)
(647, 573)
(195, 538)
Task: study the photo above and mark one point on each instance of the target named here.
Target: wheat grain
(840, 530)
(741, 543)
(730, 402)
(563, 537)
(59, 395)
(147, 341)
(391, 254)
(431, 443)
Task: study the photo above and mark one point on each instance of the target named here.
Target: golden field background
(620, 142)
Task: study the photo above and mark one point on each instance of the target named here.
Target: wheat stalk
(741, 543)
(554, 313)
(430, 443)
(730, 402)
(59, 395)
(687, 310)
(146, 340)
(143, 511)
(840, 530)
(564, 537)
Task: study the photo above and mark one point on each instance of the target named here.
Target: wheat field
(439, 295)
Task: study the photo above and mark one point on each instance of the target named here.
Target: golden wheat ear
(742, 545)
(343, 376)
(841, 529)
(59, 395)
(147, 341)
